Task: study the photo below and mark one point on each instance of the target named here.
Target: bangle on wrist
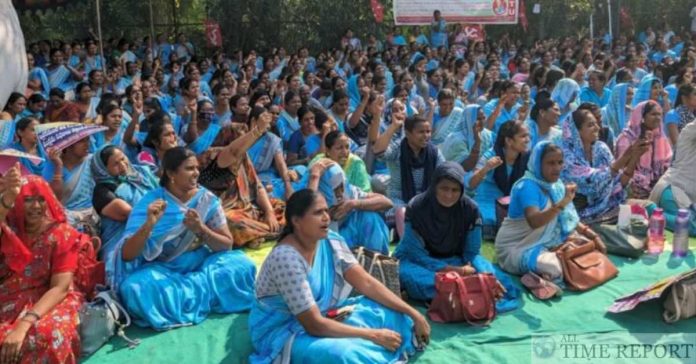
(2, 202)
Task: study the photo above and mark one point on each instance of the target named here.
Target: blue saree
(287, 125)
(614, 113)
(278, 336)
(458, 144)
(37, 168)
(174, 283)
(38, 73)
(61, 78)
(445, 125)
(359, 227)
(262, 155)
(205, 140)
(565, 94)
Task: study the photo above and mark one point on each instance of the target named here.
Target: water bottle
(656, 232)
(680, 243)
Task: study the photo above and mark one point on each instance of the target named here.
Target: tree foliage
(319, 24)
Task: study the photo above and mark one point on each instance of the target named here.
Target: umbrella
(9, 157)
(63, 134)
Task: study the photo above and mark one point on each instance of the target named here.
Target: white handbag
(100, 319)
(680, 303)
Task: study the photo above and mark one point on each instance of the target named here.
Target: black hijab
(443, 229)
(500, 175)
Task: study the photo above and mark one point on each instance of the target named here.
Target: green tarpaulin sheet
(511, 338)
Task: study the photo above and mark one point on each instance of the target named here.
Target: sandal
(540, 287)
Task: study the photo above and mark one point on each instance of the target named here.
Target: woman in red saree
(38, 258)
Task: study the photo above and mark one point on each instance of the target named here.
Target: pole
(611, 33)
(592, 25)
(99, 33)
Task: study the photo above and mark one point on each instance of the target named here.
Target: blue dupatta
(614, 114)
(444, 126)
(568, 219)
(205, 140)
(644, 90)
(565, 94)
(170, 238)
(457, 146)
(263, 151)
(38, 73)
(353, 92)
(60, 77)
(37, 168)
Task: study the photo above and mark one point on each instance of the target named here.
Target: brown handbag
(584, 266)
(468, 299)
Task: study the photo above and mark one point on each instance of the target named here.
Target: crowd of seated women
(198, 158)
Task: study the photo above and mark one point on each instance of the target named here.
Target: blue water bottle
(680, 243)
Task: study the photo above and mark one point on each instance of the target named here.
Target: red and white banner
(213, 34)
(420, 12)
(474, 32)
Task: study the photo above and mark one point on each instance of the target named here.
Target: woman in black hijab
(443, 233)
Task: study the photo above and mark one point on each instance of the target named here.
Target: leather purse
(468, 299)
(584, 266)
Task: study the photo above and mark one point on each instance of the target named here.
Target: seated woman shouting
(305, 283)
(38, 302)
(355, 214)
(174, 265)
(589, 164)
(540, 218)
(443, 233)
(645, 128)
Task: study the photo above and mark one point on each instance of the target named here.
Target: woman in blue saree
(465, 144)
(565, 94)
(447, 117)
(497, 171)
(119, 186)
(174, 264)
(38, 78)
(113, 118)
(309, 274)
(355, 214)
(443, 233)
(27, 142)
(266, 154)
(541, 217)
(69, 173)
(288, 122)
(652, 88)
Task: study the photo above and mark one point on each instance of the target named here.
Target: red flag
(377, 10)
(523, 15)
(626, 20)
(213, 34)
(474, 32)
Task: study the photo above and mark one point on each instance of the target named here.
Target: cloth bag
(468, 299)
(100, 319)
(584, 266)
(384, 268)
(680, 303)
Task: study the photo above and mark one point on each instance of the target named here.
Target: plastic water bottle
(680, 244)
(656, 232)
